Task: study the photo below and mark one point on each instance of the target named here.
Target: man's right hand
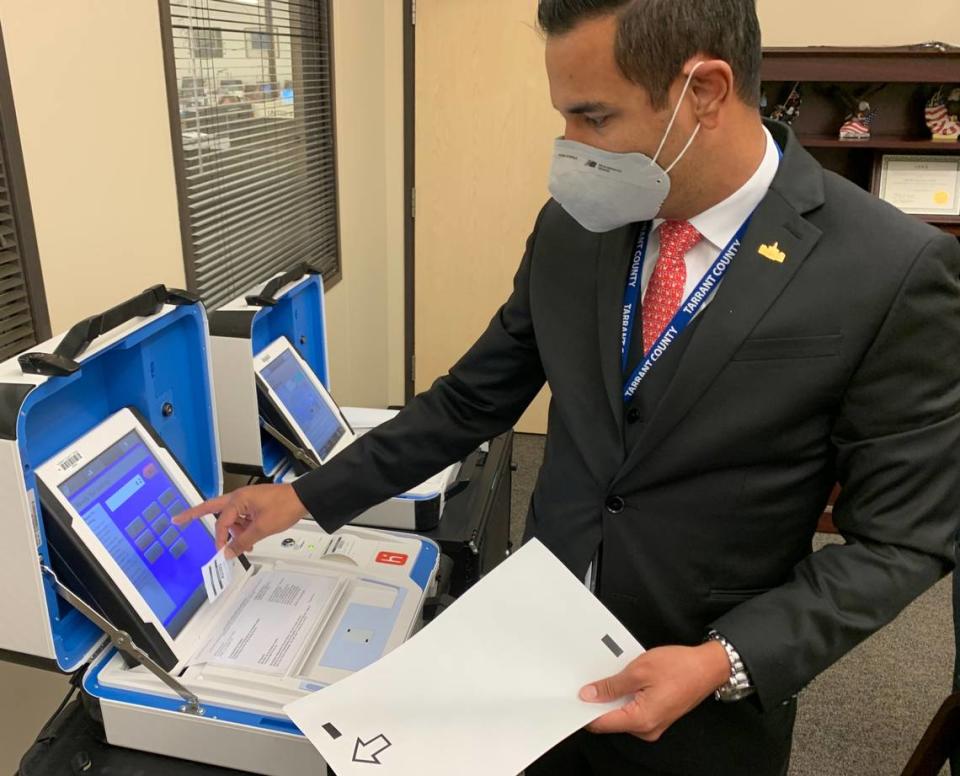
(249, 514)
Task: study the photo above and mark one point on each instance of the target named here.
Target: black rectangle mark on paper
(612, 646)
(334, 733)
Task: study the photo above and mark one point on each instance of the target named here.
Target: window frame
(19, 193)
(179, 160)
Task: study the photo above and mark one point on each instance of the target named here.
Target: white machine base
(210, 741)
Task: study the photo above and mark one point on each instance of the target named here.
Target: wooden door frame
(409, 188)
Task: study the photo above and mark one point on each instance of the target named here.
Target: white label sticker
(340, 545)
(217, 574)
(70, 461)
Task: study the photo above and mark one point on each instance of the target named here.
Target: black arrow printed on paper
(363, 750)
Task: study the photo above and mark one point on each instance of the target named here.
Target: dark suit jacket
(840, 364)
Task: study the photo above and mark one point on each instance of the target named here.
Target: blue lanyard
(687, 312)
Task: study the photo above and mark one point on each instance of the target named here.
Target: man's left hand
(662, 685)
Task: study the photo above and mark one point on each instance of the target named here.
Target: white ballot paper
(217, 574)
(266, 629)
(483, 690)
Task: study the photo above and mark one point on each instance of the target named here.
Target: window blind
(18, 328)
(255, 102)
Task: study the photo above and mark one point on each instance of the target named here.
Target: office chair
(940, 742)
(955, 756)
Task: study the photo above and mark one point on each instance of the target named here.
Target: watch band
(739, 686)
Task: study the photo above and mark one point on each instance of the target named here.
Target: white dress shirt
(718, 225)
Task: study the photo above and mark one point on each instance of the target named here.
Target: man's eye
(596, 121)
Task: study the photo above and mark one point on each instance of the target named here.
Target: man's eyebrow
(587, 107)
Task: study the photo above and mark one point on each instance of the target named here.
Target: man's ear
(712, 88)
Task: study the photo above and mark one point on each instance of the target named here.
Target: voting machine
(277, 417)
(106, 435)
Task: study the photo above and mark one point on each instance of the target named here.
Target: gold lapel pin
(773, 253)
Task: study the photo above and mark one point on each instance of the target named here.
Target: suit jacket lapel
(612, 261)
(750, 287)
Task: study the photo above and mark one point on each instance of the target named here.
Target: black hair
(655, 38)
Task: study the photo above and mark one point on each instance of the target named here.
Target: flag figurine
(789, 110)
(857, 125)
(943, 116)
(773, 253)
(860, 115)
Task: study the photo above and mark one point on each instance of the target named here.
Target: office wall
(395, 196)
(365, 312)
(877, 23)
(89, 89)
(485, 133)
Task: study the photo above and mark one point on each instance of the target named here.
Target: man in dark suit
(792, 332)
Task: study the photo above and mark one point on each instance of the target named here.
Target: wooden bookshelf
(909, 75)
(924, 63)
(883, 143)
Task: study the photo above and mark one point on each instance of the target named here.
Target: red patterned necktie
(665, 289)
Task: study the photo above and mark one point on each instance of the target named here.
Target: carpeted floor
(863, 716)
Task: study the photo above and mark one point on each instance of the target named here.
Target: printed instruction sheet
(265, 630)
(483, 690)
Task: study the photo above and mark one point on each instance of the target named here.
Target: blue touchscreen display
(128, 500)
(318, 422)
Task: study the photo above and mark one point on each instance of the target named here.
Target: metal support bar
(304, 456)
(122, 641)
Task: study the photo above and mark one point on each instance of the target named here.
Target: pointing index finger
(210, 507)
(228, 516)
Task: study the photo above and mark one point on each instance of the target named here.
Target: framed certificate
(922, 185)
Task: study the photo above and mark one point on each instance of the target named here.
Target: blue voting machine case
(290, 305)
(152, 355)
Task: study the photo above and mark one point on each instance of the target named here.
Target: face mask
(603, 190)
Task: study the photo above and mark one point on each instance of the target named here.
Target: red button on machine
(392, 558)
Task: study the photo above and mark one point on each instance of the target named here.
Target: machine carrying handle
(267, 297)
(63, 360)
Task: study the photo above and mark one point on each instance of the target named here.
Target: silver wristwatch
(739, 686)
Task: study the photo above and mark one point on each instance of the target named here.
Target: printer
(106, 434)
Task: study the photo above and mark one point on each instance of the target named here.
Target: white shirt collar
(720, 223)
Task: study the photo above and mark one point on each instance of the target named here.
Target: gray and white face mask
(603, 190)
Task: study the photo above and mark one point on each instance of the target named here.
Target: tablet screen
(128, 500)
(319, 423)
